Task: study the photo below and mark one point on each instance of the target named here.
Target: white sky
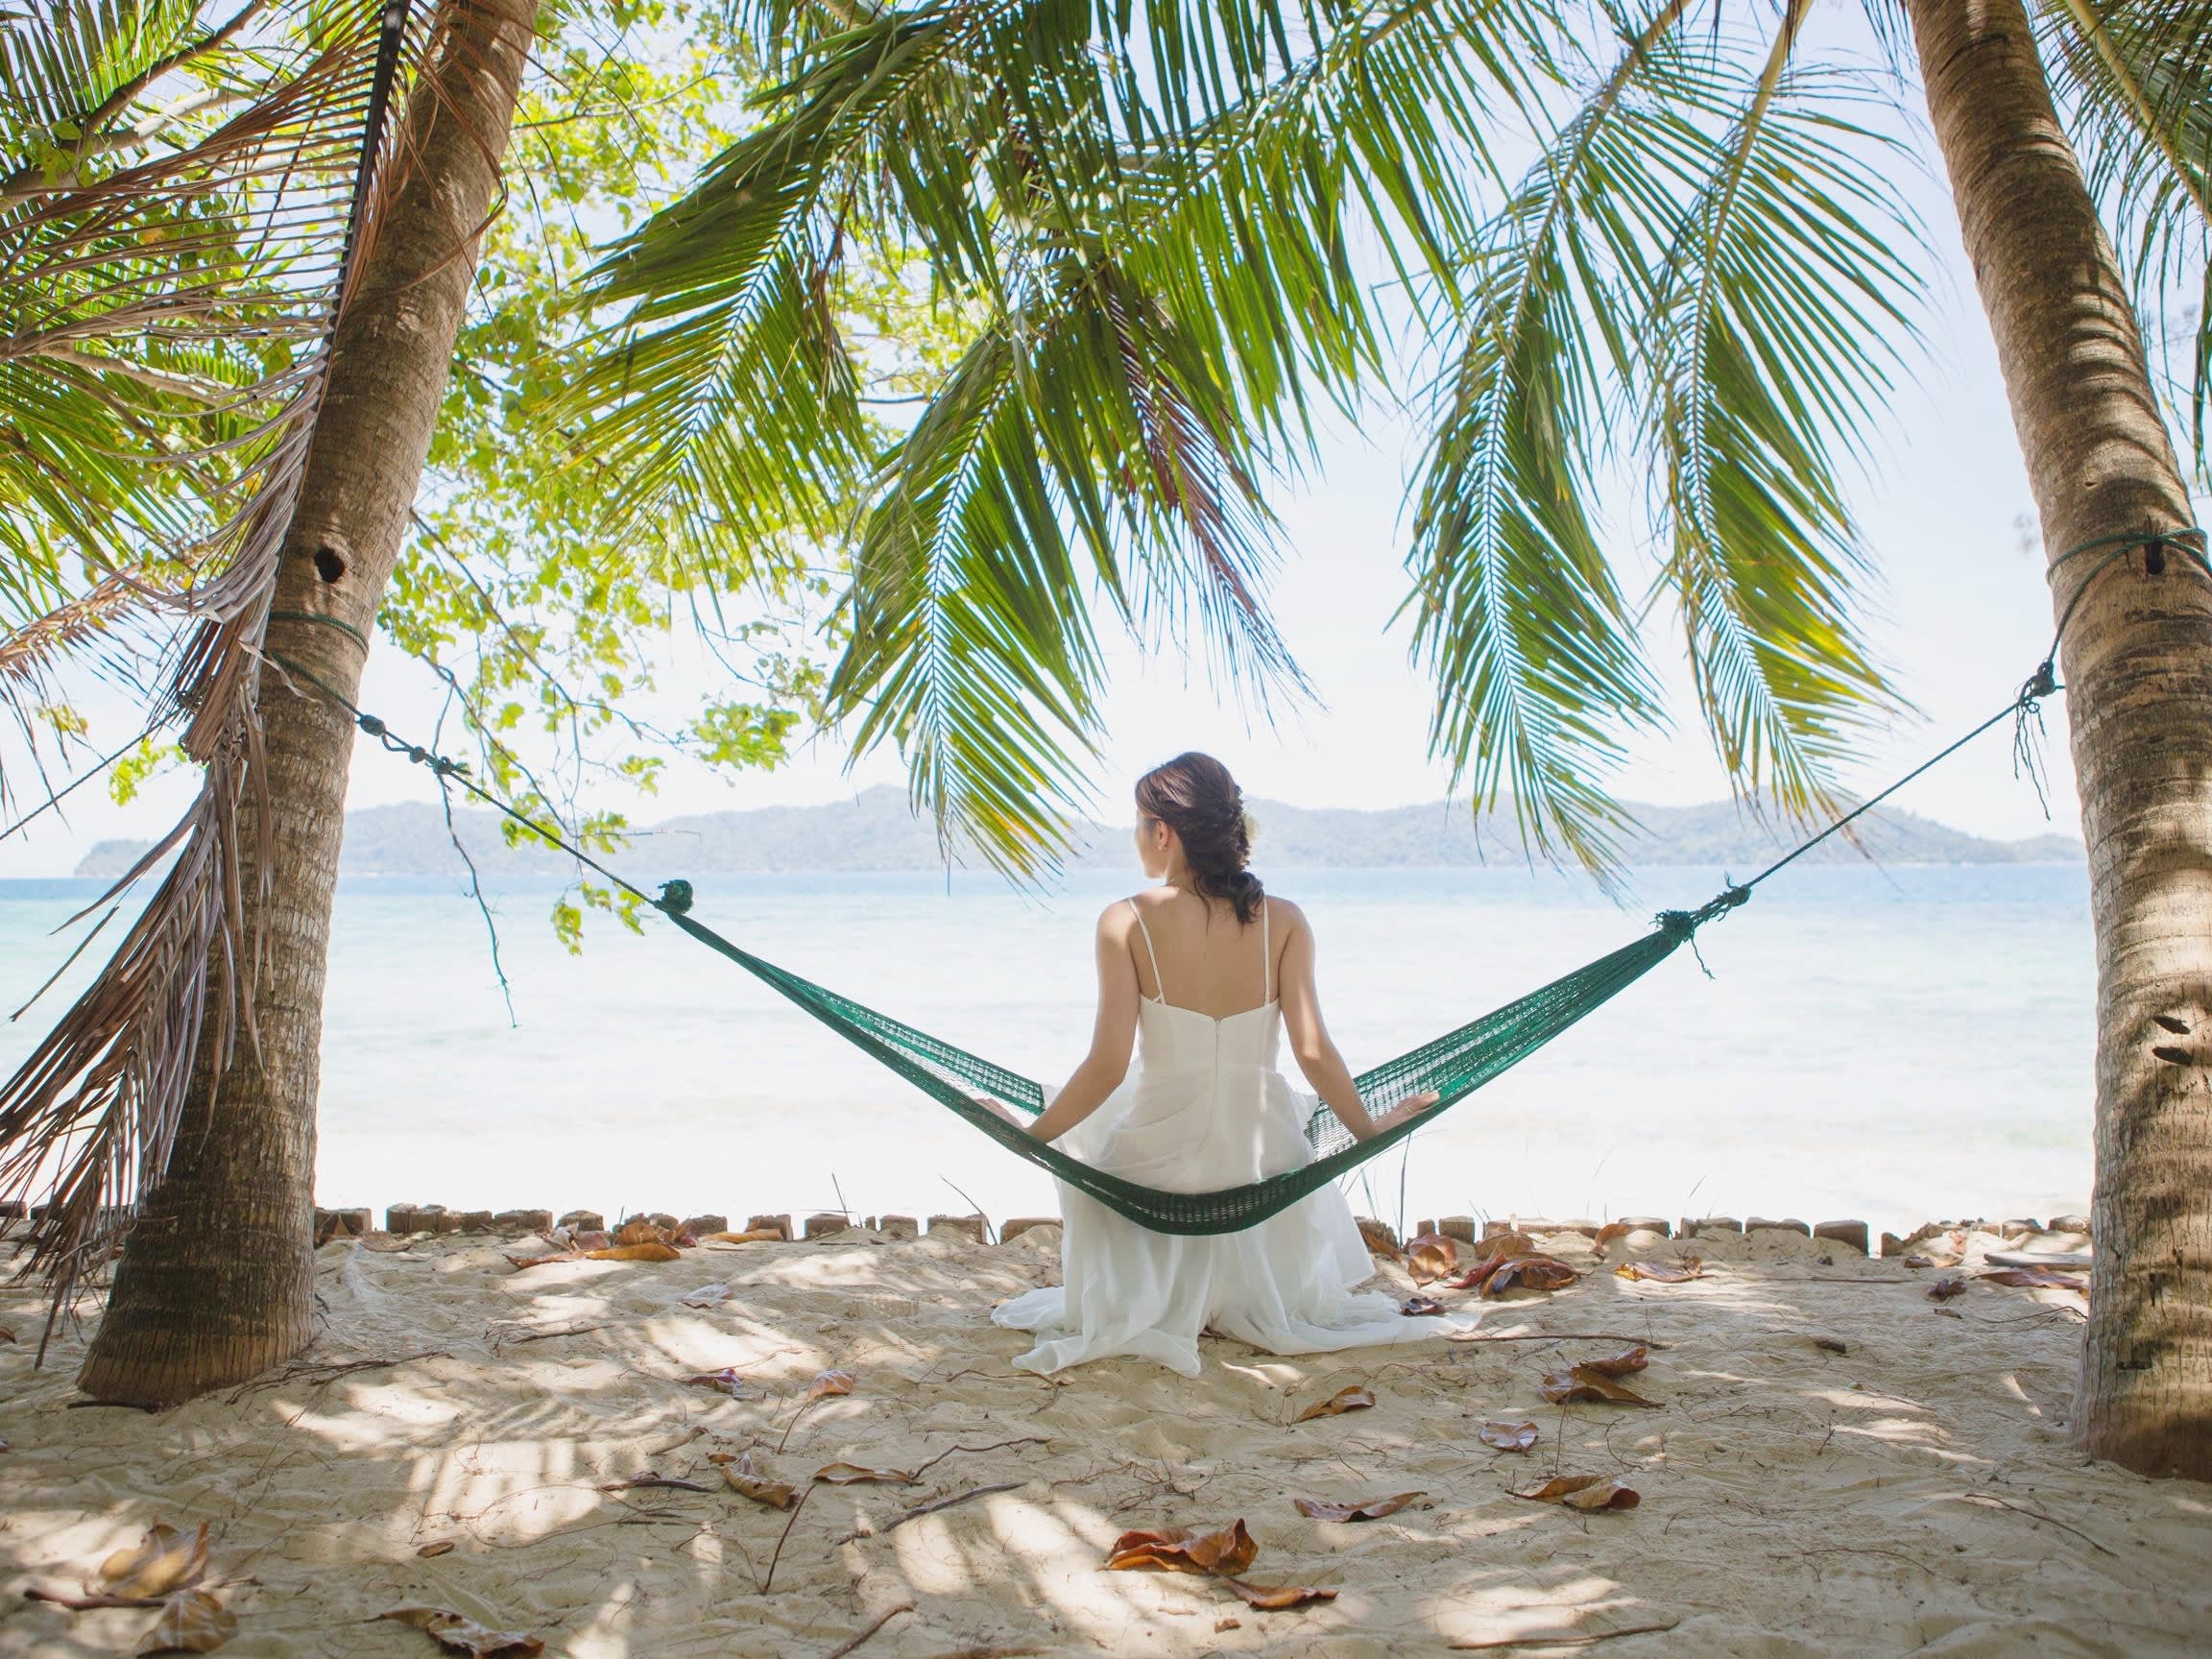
(1964, 617)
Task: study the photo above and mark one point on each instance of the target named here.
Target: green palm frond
(2138, 75)
(1773, 335)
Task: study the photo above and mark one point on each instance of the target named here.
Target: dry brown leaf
(1353, 1399)
(1528, 1273)
(458, 1634)
(648, 1251)
(757, 1484)
(1227, 1552)
(443, 1547)
(1508, 1437)
(192, 1622)
(1661, 1272)
(1380, 1239)
(723, 1382)
(1583, 1492)
(549, 1256)
(1506, 1244)
(1374, 1509)
(2036, 1279)
(856, 1473)
(161, 1563)
(709, 1295)
(1582, 1383)
(1630, 1359)
(1421, 1308)
(1431, 1256)
(1946, 1288)
(642, 1232)
(753, 1236)
(830, 1383)
(1606, 1234)
(1276, 1598)
(1940, 1259)
(7, 1333)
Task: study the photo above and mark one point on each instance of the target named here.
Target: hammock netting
(1455, 1065)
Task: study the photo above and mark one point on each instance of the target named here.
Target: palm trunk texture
(2137, 663)
(216, 1281)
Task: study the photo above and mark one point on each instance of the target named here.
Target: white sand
(1916, 1494)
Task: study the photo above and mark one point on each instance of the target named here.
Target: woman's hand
(1412, 1106)
(1004, 1114)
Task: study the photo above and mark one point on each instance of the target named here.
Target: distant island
(877, 831)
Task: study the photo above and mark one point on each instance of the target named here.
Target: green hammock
(1455, 1065)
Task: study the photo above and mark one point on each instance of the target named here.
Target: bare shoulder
(1115, 922)
(1284, 917)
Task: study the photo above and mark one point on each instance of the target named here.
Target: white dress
(1206, 1108)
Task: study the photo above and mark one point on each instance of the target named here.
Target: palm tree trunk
(216, 1280)
(2137, 662)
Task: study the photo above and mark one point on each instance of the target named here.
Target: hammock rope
(1454, 1064)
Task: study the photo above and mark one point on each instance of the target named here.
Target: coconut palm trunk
(2137, 663)
(216, 1280)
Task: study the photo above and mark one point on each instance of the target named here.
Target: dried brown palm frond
(227, 259)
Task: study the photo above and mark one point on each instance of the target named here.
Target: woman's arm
(1112, 1036)
(1312, 1045)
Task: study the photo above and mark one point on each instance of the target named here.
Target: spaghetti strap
(1157, 981)
(1266, 960)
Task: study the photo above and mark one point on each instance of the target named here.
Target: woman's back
(1192, 953)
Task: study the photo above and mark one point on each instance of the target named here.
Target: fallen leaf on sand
(443, 1547)
(651, 1479)
(1581, 1382)
(1508, 1437)
(830, 1383)
(1630, 1359)
(642, 1232)
(856, 1473)
(709, 1295)
(1374, 1509)
(2036, 1279)
(1946, 1288)
(549, 1256)
(1832, 1344)
(753, 1236)
(1942, 1259)
(1431, 1256)
(161, 1563)
(1583, 1492)
(1353, 1399)
(1227, 1552)
(756, 1485)
(723, 1382)
(457, 1634)
(1530, 1273)
(1606, 1234)
(191, 1622)
(6, 1335)
(1661, 1272)
(648, 1251)
(1492, 1254)
(1380, 1239)
(1278, 1598)
(1421, 1308)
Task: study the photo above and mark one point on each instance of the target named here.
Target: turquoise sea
(1893, 1045)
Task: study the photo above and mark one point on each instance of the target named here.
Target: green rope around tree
(1454, 1064)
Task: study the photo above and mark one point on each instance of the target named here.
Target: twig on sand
(890, 1614)
(2034, 1515)
(1578, 1639)
(85, 1603)
(988, 1229)
(784, 1534)
(331, 1372)
(921, 1509)
(995, 1444)
(544, 1336)
(1556, 1336)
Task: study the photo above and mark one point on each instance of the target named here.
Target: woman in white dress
(1204, 973)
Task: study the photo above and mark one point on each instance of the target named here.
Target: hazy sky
(1963, 617)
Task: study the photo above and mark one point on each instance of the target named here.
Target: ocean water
(1891, 1044)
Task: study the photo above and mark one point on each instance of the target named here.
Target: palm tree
(1149, 233)
(281, 271)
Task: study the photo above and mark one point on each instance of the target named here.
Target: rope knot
(370, 724)
(675, 897)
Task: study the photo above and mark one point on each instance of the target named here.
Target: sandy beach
(1834, 1463)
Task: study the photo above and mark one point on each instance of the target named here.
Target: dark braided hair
(1194, 796)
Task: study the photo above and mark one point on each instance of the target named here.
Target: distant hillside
(874, 831)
